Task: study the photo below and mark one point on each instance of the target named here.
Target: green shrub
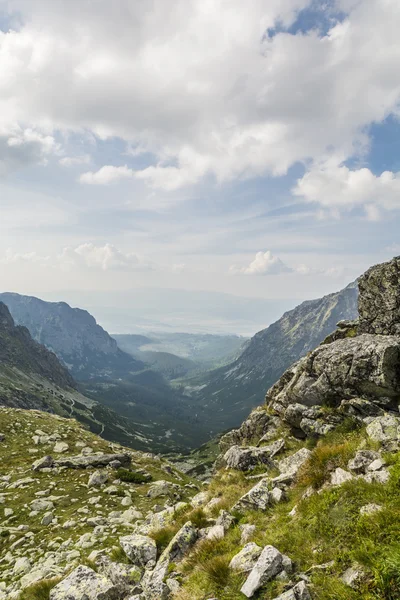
(131, 476)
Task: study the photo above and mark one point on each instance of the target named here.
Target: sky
(246, 148)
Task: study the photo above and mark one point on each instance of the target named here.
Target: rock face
(379, 301)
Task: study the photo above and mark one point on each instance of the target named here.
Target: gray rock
(352, 576)
(47, 518)
(384, 429)
(340, 476)
(298, 592)
(244, 459)
(97, 479)
(268, 565)
(292, 463)
(370, 509)
(256, 426)
(164, 488)
(258, 498)
(247, 532)
(60, 447)
(153, 581)
(84, 584)
(379, 299)
(43, 463)
(361, 366)
(139, 549)
(92, 460)
(22, 565)
(362, 460)
(245, 560)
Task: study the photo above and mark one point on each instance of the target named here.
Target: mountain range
(167, 404)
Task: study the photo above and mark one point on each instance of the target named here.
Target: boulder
(43, 463)
(384, 429)
(268, 565)
(244, 459)
(97, 479)
(84, 583)
(340, 476)
(258, 498)
(245, 560)
(139, 549)
(292, 463)
(247, 532)
(164, 488)
(365, 365)
(92, 460)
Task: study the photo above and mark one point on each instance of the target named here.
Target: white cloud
(338, 189)
(164, 79)
(264, 263)
(12, 258)
(73, 161)
(23, 146)
(104, 258)
(106, 175)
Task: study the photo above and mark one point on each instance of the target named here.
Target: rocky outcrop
(379, 299)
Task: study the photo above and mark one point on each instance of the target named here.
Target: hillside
(230, 392)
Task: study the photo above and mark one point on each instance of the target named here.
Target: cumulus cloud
(104, 258)
(338, 188)
(106, 175)
(264, 263)
(164, 79)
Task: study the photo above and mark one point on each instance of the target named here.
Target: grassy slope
(69, 486)
(327, 527)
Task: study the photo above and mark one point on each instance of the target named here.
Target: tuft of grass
(118, 555)
(217, 570)
(40, 590)
(162, 537)
(325, 458)
(199, 518)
